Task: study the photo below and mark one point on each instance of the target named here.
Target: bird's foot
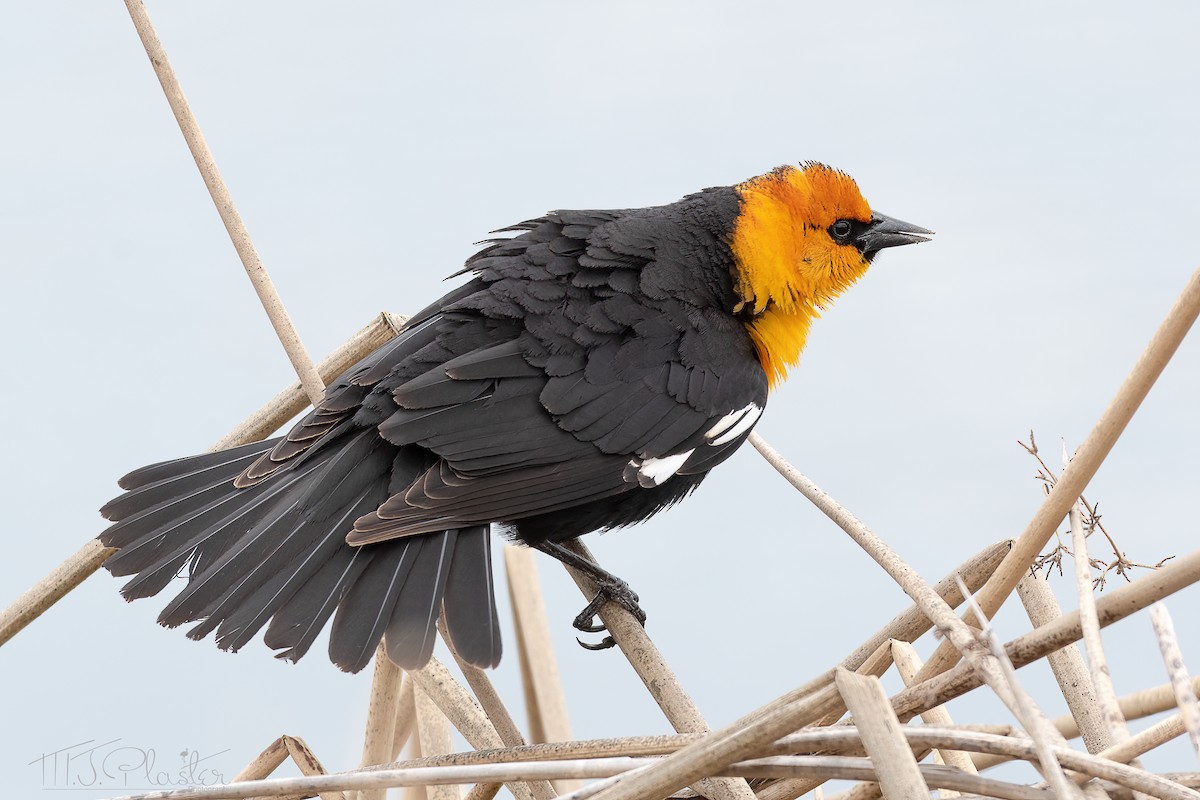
(608, 588)
(611, 589)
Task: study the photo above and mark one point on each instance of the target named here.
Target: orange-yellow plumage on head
(788, 264)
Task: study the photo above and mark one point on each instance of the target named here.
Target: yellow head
(802, 237)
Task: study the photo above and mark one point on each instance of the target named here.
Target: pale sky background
(1052, 146)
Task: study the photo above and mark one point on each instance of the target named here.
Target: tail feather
(166, 489)
(470, 610)
(412, 631)
(275, 553)
(166, 470)
(198, 534)
(299, 621)
(291, 540)
(364, 613)
(240, 626)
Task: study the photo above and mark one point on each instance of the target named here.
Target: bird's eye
(841, 230)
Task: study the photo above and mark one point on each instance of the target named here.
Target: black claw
(603, 644)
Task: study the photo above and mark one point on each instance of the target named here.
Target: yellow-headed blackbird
(595, 367)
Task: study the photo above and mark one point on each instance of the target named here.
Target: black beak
(884, 231)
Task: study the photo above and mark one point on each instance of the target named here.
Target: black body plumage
(589, 375)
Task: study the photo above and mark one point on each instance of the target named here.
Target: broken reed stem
(546, 702)
(264, 763)
(1079, 472)
(381, 716)
(1181, 684)
(314, 387)
(644, 656)
(1067, 665)
(486, 694)
(406, 718)
(435, 681)
(89, 558)
(908, 664)
(433, 733)
(898, 772)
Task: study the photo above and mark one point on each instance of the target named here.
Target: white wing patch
(653, 472)
(733, 425)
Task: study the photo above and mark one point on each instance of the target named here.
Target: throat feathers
(788, 264)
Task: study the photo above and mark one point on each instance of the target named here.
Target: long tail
(276, 553)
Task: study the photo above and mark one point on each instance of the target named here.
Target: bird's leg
(608, 587)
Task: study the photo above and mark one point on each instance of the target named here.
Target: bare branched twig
(1121, 564)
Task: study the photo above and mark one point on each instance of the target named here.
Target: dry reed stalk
(414, 791)
(381, 716)
(993, 667)
(483, 791)
(89, 558)
(470, 766)
(1067, 665)
(406, 718)
(1106, 694)
(545, 700)
(644, 656)
(828, 767)
(277, 751)
(36, 600)
(1036, 644)
(908, 664)
(898, 773)
(486, 694)
(1181, 684)
(291, 401)
(264, 763)
(1045, 736)
(907, 626)
(1079, 472)
(910, 624)
(433, 732)
(435, 681)
(1145, 741)
(314, 387)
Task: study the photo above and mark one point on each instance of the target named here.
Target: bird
(591, 370)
